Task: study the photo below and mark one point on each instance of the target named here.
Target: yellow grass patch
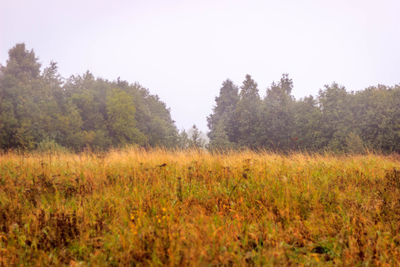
(192, 208)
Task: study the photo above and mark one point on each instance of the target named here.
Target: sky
(183, 50)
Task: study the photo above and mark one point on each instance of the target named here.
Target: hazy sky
(183, 50)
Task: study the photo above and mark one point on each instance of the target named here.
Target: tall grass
(163, 207)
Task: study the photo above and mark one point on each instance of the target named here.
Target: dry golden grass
(161, 207)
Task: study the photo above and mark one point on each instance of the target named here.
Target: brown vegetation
(193, 208)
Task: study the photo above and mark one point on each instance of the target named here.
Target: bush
(354, 144)
(49, 145)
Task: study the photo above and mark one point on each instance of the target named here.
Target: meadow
(135, 207)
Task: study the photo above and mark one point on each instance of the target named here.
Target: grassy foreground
(133, 207)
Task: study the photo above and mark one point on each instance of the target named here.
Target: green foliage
(278, 121)
(195, 138)
(21, 99)
(220, 139)
(79, 112)
(49, 145)
(306, 131)
(247, 114)
(354, 144)
(183, 140)
(336, 120)
(87, 112)
(222, 124)
(121, 117)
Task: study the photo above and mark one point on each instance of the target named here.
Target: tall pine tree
(247, 114)
(221, 122)
(278, 117)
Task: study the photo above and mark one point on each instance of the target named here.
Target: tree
(336, 117)
(278, 119)
(22, 64)
(89, 96)
(183, 140)
(195, 138)
(121, 119)
(19, 96)
(221, 122)
(377, 117)
(36, 108)
(247, 114)
(306, 131)
(354, 144)
(220, 139)
(153, 118)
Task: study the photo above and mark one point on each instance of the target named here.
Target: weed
(157, 207)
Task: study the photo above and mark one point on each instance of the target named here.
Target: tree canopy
(336, 120)
(82, 111)
(39, 108)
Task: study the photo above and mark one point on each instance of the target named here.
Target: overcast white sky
(183, 50)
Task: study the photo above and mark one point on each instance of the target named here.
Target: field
(136, 207)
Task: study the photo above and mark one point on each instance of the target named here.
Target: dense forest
(40, 109)
(336, 120)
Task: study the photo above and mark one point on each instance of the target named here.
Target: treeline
(336, 120)
(40, 109)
